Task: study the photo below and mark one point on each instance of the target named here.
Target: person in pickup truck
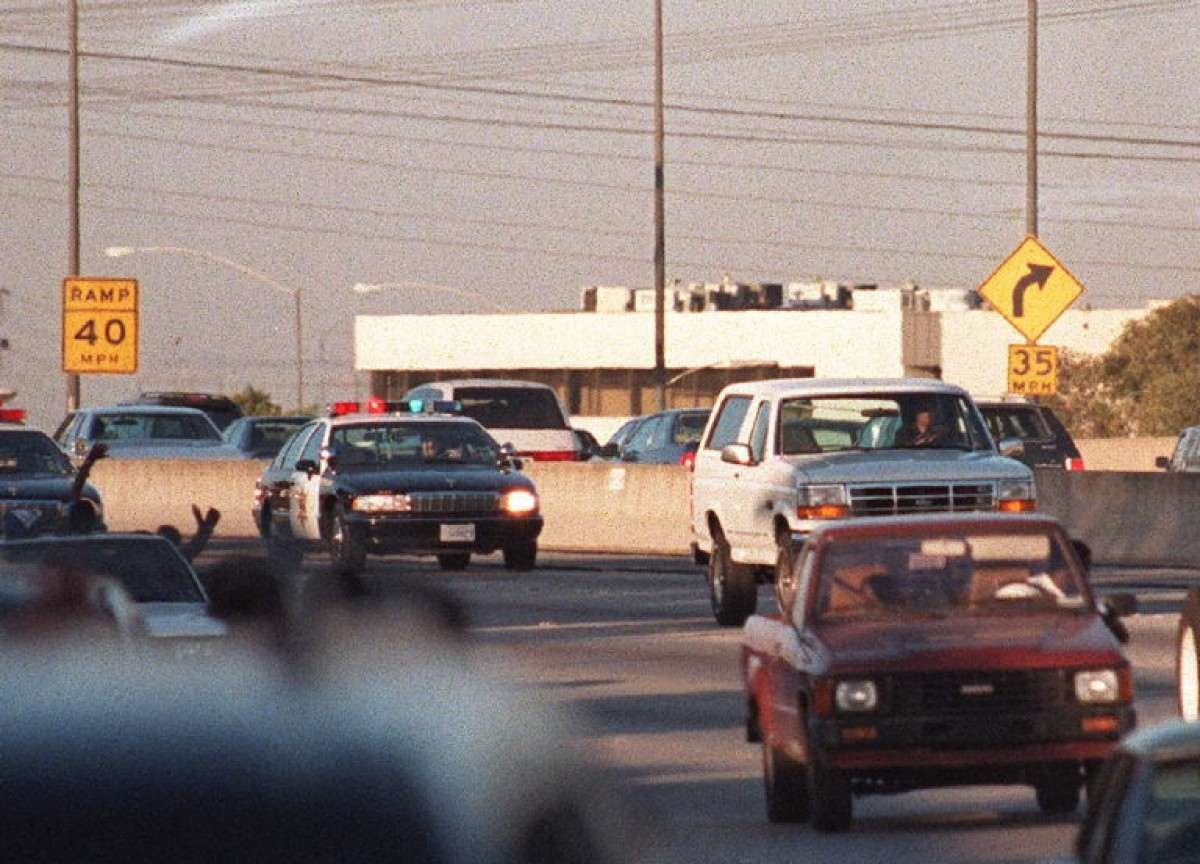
(923, 430)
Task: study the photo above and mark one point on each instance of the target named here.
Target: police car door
(304, 514)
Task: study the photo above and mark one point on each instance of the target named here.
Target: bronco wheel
(785, 579)
(1058, 795)
(785, 785)
(831, 807)
(454, 560)
(732, 588)
(346, 547)
(521, 557)
(1187, 659)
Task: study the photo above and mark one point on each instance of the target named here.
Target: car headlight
(1097, 686)
(827, 501)
(856, 696)
(382, 503)
(1016, 496)
(519, 502)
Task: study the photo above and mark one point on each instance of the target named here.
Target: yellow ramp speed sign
(1031, 289)
(100, 325)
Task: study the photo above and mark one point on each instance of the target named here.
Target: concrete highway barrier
(1128, 518)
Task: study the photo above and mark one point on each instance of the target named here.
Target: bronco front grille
(453, 502)
(898, 498)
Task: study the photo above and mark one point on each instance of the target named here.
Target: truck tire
(1187, 658)
(785, 785)
(521, 557)
(1058, 795)
(831, 807)
(347, 551)
(454, 560)
(732, 588)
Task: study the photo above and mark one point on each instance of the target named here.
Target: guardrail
(1128, 518)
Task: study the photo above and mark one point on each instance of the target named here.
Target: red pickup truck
(922, 651)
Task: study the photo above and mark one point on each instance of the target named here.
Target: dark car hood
(474, 478)
(971, 642)
(41, 488)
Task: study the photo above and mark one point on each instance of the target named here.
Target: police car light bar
(12, 415)
(375, 405)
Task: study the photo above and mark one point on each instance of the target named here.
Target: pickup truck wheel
(1059, 795)
(785, 785)
(732, 588)
(831, 807)
(454, 560)
(785, 582)
(1187, 659)
(522, 557)
(346, 547)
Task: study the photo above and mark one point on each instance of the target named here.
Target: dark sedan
(40, 492)
(261, 437)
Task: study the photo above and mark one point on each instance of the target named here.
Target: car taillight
(551, 455)
(1073, 464)
(688, 460)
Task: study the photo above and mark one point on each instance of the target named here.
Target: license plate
(457, 533)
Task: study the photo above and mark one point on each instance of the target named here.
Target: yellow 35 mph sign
(100, 325)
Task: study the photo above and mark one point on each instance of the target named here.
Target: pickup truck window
(729, 420)
(758, 435)
(825, 424)
(991, 574)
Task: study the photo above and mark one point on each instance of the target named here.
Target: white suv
(780, 457)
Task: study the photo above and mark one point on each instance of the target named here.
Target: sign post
(100, 326)
(1031, 289)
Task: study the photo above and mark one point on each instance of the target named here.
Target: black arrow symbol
(1038, 273)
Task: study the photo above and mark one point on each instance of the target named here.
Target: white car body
(751, 504)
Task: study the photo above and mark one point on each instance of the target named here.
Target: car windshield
(1015, 422)
(407, 445)
(511, 407)
(31, 453)
(149, 568)
(266, 437)
(825, 424)
(118, 427)
(944, 575)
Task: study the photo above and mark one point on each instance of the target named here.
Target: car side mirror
(1113, 608)
(508, 457)
(737, 454)
(80, 447)
(308, 466)
(610, 451)
(1013, 448)
(1162, 462)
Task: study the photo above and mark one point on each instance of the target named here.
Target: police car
(397, 477)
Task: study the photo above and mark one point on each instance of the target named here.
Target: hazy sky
(505, 148)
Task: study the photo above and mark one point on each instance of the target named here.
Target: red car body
(978, 697)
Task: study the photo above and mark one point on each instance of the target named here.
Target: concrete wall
(1134, 518)
(1123, 454)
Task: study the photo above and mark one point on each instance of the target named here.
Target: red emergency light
(12, 415)
(551, 455)
(337, 409)
(1073, 464)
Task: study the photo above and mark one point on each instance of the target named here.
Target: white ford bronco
(779, 457)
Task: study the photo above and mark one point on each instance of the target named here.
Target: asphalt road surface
(629, 645)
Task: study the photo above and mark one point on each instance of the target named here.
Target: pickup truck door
(755, 493)
(713, 481)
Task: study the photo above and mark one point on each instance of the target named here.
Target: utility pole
(1031, 159)
(660, 261)
(73, 169)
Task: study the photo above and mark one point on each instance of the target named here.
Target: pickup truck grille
(453, 502)
(977, 693)
(894, 499)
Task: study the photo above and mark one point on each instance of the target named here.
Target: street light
(378, 287)
(294, 293)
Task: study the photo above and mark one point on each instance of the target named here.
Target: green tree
(256, 403)
(1145, 384)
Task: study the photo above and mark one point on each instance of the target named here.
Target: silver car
(144, 432)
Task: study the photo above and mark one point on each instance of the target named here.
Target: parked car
(1145, 808)
(169, 598)
(261, 437)
(934, 650)
(526, 414)
(664, 437)
(397, 481)
(1047, 443)
(780, 458)
(1186, 455)
(144, 432)
(221, 410)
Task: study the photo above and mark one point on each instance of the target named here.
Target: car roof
(145, 409)
(398, 418)
(842, 386)
(98, 537)
(1165, 742)
(939, 521)
(483, 382)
